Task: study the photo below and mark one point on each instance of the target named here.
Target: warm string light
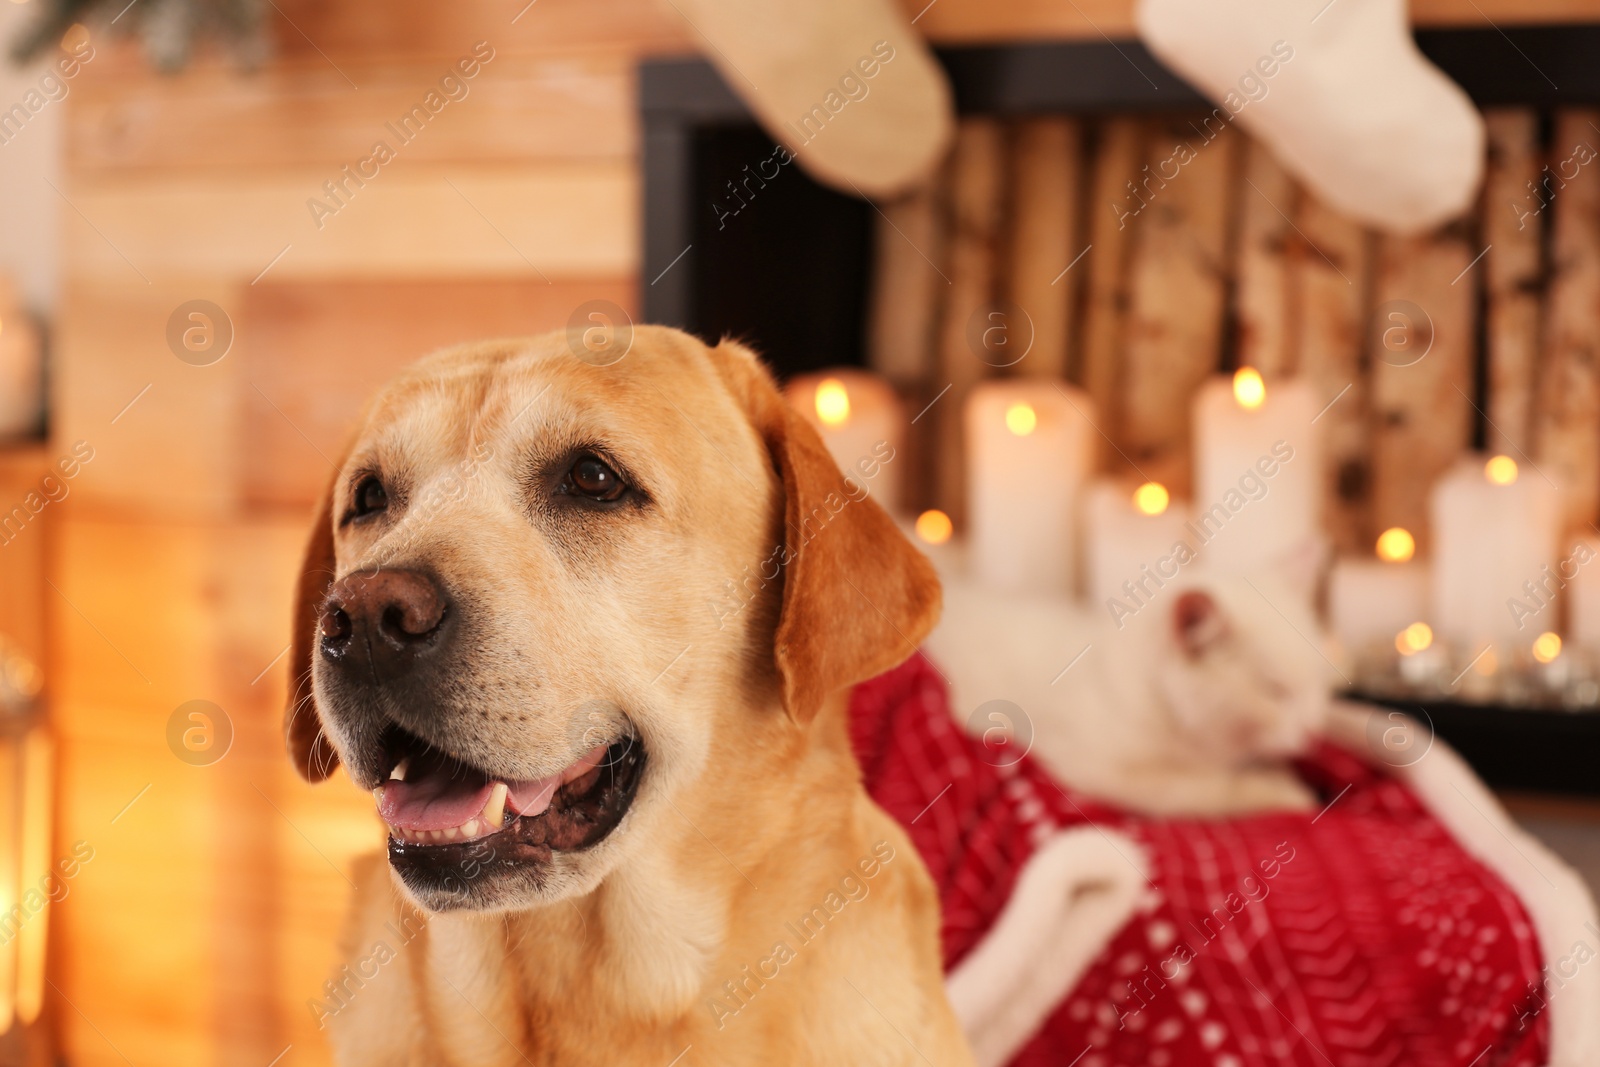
(1396, 545)
(1248, 388)
(1021, 419)
(934, 527)
(1501, 470)
(1546, 647)
(833, 402)
(1151, 498)
(1414, 638)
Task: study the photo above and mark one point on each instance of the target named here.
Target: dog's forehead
(663, 392)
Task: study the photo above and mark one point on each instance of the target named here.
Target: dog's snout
(384, 620)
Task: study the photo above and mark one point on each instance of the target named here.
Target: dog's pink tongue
(434, 803)
(442, 801)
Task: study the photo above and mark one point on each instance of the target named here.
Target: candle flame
(1546, 647)
(1501, 470)
(934, 527)
(1021, 419)
(833, 402)
(1151, 498)
(1414, 638)
(1248, 388)
(1396, 545)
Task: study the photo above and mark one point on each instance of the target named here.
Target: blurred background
(196, 297)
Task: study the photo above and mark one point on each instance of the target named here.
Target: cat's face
(1243, 672)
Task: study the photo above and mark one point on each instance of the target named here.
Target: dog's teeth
(470, 830)
(494, 812)
(450, 833)
(377, 794)
(399, 772)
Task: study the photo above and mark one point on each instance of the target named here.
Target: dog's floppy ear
(309, 749)
(857, 597)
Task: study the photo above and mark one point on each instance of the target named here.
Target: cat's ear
(1198, 623)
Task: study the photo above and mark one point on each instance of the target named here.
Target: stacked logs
(1136, 256)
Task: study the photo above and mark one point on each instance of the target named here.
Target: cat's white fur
(1154, 716)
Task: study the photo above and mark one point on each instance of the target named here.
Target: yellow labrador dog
(585, 623)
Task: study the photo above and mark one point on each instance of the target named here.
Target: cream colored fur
(1136, 721)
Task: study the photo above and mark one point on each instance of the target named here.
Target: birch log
(1422, 403)
(1263, 304)
(906, 284)
(1512, 229)
(1043, 237)
(1567, 435)
(974, 210)
(1117, 160)
(1177, 285)
(1329, 273)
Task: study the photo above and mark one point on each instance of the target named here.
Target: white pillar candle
(861, 422)
(1370, 601)
(1258, 472)
(1583, 596)
(1494, 528)
(1030, 443)
(1135, 541)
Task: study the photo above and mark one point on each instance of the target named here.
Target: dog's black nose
(383, 623)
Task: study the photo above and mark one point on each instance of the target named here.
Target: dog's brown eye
(592, 477)
(370, 497)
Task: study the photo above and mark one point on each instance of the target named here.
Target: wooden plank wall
(1479, 334)
(206, 920)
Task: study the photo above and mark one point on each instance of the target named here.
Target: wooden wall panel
(1264, 299)
(972, 21)
(221, 886)
(164, 433)
(518, 110)
(1423, 408)
(578, 219)
(1331, 274)
(1513, 230)
(1567, 419)
(1118, 156)
(908, 287)
(1177, 287)
(975, 184)
(315, 351)
(1043, 241)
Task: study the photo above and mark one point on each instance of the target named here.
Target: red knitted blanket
(1358, 936)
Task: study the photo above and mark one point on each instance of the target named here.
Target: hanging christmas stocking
(847, 86)
(1339, 91)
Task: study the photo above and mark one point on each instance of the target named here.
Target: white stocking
(847, 85)
(1340, 93)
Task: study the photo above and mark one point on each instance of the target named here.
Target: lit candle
(1553, 669)
(1583, 596)
(1495, 531)
(1371, 600)
(1258, 472)
(1029, 449)
(861, 422)
(1133, 537)
(1420, 659)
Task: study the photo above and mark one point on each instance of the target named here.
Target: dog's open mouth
(442, 812)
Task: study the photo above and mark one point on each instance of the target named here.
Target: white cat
(1192, 707)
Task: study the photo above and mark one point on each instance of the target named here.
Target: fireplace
(737, 243)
